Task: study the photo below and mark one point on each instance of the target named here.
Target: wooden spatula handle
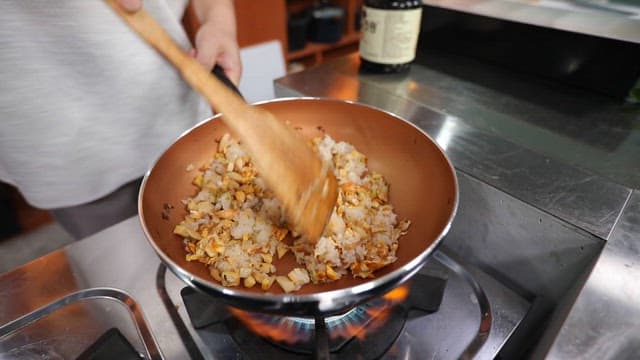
(219, 96)
(306, 188)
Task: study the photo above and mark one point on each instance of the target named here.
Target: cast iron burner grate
(369, 329)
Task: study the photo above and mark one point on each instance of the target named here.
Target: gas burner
(436, 321)
(370, 328)
(299, 334)
(347, 336)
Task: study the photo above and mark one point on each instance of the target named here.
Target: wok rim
(364, 290)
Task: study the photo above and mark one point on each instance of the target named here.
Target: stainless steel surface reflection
(501, 140)
(603, 322)
(484, 328)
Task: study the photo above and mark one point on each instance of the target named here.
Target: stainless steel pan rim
(329, 302)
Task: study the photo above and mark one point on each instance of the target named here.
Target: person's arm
(215, 41)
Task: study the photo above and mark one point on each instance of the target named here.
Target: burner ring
(349, 334)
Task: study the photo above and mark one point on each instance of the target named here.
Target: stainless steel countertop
(545, 149)
(603, 322)
(117, 258)
(601, 18)
(542, 144)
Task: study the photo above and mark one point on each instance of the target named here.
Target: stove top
(447, 314)
(112, 289)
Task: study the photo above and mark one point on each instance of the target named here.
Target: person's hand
(217, 46)
(215, 40)
(131, 5)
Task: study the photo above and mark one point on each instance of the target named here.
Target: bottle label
(389, 36)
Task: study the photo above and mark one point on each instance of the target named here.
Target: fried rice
(237, 227)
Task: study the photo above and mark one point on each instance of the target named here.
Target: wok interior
(422, 184)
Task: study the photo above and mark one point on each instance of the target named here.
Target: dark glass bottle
(390, 30)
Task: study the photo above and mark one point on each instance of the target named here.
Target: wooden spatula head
(304, 184)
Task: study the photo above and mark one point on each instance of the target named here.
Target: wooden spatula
(294, 172)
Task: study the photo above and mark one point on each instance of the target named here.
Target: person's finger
(228, 60)
(131, 5)
(207, 54)
(232, 67)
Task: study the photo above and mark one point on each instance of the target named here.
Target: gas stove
(446, 311)
(109, 295)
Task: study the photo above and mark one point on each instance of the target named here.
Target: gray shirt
(85, 104)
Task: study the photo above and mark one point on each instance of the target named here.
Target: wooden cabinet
(257, 21)
(260, 21)
(264, 20)
(316, 53)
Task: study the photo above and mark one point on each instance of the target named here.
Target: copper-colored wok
(423, 189)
